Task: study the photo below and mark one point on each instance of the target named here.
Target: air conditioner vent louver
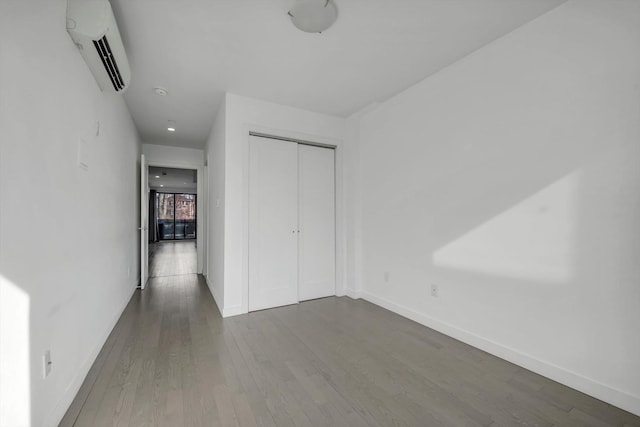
(91, 22)
(109, 62)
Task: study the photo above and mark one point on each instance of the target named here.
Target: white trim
(66, 398)
(233, 311)
(571, 379)
(294, 140)
(224, 312)
(216, 298)
(201, 228)
(204, 239)
(353, 294)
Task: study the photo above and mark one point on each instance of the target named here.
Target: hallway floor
(173, 361)
(172, 258)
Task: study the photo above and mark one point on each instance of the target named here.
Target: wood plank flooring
(172, 258)
(173, 361)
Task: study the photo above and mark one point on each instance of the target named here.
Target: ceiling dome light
(313, 16)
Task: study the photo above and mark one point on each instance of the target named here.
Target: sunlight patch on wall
(15, 405)
(532, 240)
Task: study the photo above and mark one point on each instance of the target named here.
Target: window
(176, 216)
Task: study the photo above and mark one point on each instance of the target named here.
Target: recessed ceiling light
(157, 176)
(161, 185)
(160, 91)
(170, 129)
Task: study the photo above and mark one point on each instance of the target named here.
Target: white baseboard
(216, 298)
(224, 311)
(571, 379)
(233, 311)
(354, 294)
(60, 408)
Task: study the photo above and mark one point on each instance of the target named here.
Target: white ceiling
(172, 179)
(198, 49)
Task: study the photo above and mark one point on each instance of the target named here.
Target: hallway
(173, 361)
(172, 258)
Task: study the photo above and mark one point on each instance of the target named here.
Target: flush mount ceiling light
(313, 16)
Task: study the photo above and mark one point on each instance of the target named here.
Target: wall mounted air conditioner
(93, 29)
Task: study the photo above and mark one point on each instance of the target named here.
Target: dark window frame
(195, 216)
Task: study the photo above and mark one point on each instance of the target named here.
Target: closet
(291, 222)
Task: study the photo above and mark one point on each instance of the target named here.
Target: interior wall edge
(236, 310)
(66, 398)
(615, 397)
(216, 298)
(354, 294)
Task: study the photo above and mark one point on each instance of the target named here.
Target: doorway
(172, 221)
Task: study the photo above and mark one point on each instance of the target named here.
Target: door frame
(201, 198)
(144, 221)
(340, 204)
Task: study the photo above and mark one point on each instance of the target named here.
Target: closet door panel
(273, 223)
(316, 207)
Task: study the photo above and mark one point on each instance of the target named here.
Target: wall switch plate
(435, 292)
(46, 363)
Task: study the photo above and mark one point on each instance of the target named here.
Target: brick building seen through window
(183, 226)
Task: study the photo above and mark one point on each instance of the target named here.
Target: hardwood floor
(172, 258)
(173, 361)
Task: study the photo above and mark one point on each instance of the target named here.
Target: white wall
(181, 156)
(216, 183)
(511, 179)
(68, 237)
(242, 116)
(184, 158)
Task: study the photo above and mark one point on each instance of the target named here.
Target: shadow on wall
(576, 224)
(532, 240)
(561, 264)
(580, 225)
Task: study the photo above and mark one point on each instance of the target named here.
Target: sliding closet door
(316, 193)
(273, 223)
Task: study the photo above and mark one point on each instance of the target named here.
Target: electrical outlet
(46, 363)
(435, 292)
(386, 277)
